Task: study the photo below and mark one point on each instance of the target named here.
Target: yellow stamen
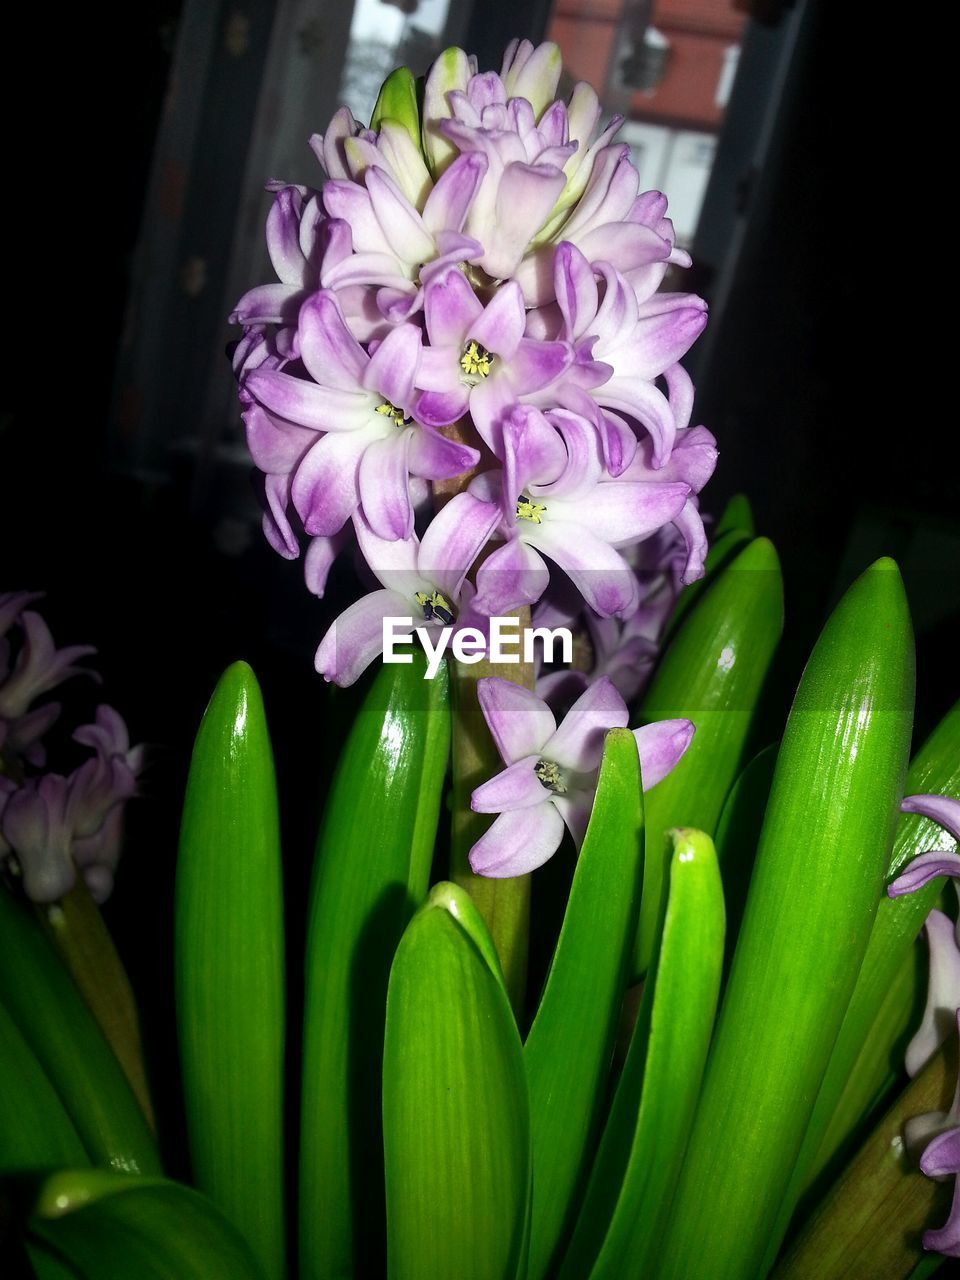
(435, 606)
(529, 510)
(476, 362)
(391, 411)
(551, 777)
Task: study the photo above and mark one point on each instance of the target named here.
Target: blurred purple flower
(39, 667)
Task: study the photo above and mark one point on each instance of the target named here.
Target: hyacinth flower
(941, 1159)
(943, 983)
(551, 774)
(362, 404)
(39, 667)
(555, 502)
(478, 358)
(395, 247)
(296, 242)
(54, 824)
(423, 580)
(624, 340)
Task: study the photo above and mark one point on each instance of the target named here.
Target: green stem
(75, 927)
(503, 904)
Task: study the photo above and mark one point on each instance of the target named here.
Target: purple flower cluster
(51, 824)
(474, 291)
(938, 1133)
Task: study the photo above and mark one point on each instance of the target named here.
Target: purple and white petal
(924, 869)
(518, 842)
(325, 487)
(433, 456)
(943, 993)
(516, 787)
(600, 573)
(449, 202)
(514, 575)
(578, 742)
(661, 745)
(450, 309)
(944, 810)
(332, 355)
(454, 539)
(355, 639)
(384, 492)
(521, 723)
(306, 404)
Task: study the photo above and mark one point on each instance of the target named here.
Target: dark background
(796, 390)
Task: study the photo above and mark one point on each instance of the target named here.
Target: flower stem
(76, 928)
(503, 904)
(872, 1219)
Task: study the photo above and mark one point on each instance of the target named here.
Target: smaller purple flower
(691, 462)
(297, 239)
(12, 604)
(556, 503)
(422, 580)
(362, 405)
(941, 1159)
(478, 357)
(945, 811)
(54, 824)
(611, 223)
(40, 666)
(38, 828)
(551, 775)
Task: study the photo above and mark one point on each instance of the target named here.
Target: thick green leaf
(137, 1229)
(35, 1131)
(737, 514)
(819, 874)
(397, 101)
(230, 966)
(738, 834)
(850, 1084)
(371, 871)
(43, 1001)
(713, 674)
(621, 1223)
(568, 1049)
(456, 1123)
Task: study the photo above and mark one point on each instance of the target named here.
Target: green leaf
(713, 674)
(397, 101)
(137, 1229)
(456, 1121)
(35, 1131)
(639, 1160)
(848, 1091)
(819, 874)
(737, 514)
(43, 1002)
(371, 870)
(738, 834)
(568, 1050)
(229, 952)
